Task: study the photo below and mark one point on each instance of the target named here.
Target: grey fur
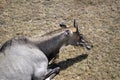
(25, 58)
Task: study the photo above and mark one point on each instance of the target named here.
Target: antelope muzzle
(84, 43)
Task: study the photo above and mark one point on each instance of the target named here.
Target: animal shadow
(69, 62)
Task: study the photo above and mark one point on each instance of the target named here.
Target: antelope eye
(68, 33)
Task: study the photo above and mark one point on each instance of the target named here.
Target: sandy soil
(99, 21)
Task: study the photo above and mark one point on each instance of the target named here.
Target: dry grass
(99, 20)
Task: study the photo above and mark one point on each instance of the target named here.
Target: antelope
(25, 58)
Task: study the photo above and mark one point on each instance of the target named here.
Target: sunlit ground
(99, 21)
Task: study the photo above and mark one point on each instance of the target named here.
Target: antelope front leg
(54, 59)
(51, 77)
(52, 73)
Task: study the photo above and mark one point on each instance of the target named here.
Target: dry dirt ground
(99, 21)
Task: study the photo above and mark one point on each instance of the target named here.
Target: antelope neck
(52, 45)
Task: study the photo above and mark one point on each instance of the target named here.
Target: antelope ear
(63, 25)
(68, 33)
(75, 25)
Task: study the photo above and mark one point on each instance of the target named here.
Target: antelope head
(76, 38)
